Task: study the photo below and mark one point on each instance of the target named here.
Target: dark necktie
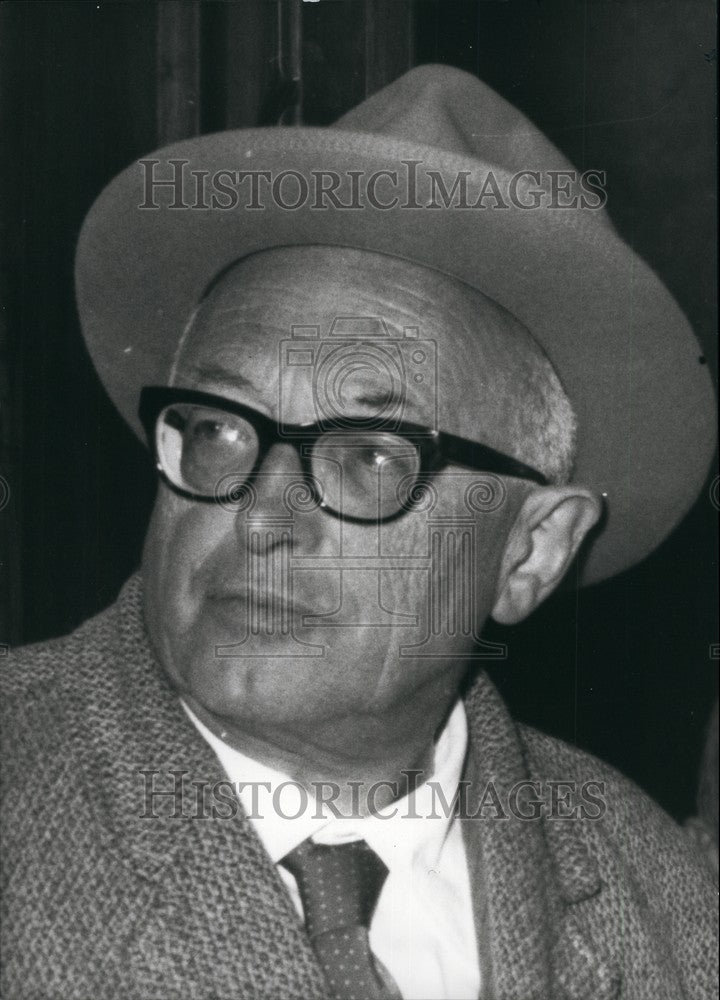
(339, 886)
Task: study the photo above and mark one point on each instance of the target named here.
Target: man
(393, 374)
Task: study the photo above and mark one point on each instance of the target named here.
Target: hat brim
(623, 348)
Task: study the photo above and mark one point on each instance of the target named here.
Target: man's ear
(542, 543)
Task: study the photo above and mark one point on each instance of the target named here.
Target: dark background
(624, 669)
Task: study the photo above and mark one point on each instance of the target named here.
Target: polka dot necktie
(339, 886)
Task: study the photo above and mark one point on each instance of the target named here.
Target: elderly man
(392, 375)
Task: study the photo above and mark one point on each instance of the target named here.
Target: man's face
(280, 614)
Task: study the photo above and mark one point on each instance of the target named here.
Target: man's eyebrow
(377, 398)
(214, 372)
(380, 398)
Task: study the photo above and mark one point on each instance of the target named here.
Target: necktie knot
(339, 884)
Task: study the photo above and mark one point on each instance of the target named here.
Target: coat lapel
(506, 858)
(221, 923)
(530, 877)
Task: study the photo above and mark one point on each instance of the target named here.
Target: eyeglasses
(206, 446)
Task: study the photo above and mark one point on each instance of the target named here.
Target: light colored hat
(436, 137)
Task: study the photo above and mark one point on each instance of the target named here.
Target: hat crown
(456, 112)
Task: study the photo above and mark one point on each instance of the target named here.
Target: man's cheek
(404, 591)
(178, 543)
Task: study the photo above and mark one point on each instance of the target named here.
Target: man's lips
(239, 604)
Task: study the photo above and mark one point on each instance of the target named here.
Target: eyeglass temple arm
(486, 459)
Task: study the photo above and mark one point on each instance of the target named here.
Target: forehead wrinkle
(329, 285)
(313, 285)
(215, 372)
(262, 301)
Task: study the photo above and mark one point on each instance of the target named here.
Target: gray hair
(545, 424)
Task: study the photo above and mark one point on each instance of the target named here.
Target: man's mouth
(260, 610)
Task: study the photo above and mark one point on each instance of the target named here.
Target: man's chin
(263, 687)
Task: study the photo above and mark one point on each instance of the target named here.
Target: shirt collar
(284, 815)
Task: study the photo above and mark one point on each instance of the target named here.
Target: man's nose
(282, 510)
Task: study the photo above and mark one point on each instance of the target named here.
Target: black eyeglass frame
(436, 448)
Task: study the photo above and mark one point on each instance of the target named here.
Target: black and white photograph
(358, 500)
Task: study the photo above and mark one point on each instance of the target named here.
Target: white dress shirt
(423, 927)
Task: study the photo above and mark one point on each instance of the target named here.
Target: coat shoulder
(47, 689)
(652, 883)
(621, 815)
(623, 802)
(41, 665)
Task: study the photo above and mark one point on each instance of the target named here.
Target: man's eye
(374, 457)
(215, 431)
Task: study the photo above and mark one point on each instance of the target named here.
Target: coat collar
(531, 879)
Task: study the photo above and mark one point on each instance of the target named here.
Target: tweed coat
(100, 903)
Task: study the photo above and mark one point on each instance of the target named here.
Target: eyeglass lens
(362, 474)
(198, 445)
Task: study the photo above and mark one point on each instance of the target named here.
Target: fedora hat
(439, 169)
